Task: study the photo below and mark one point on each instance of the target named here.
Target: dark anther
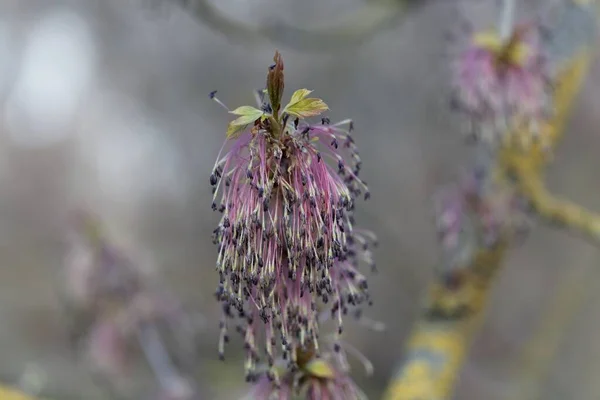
(325, 121)
(367, 195)
(214, 206)
(296, 122)
(454, 103)
(334, 143)
(213, 179)
(213, 94)
(373, 267)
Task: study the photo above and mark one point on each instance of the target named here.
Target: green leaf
(319, 369)
(247, 111)
(233, 131)
(303, 107)
(247, 115)
(307, 108)
(299, 95)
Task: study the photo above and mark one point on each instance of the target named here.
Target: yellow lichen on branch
(527, 171)
(7, 393)
(441, 337)
(557, 211)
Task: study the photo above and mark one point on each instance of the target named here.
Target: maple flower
(287, 244)
(503, 84)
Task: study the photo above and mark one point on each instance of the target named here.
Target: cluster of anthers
(503, 84)
(287, 246)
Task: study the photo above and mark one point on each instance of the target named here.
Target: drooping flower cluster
(477, 213)
(113, 305)
(503, 84)
(287, 245)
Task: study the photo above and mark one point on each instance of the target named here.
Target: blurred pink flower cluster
(503, 84)
(113, 306)
(477, 213)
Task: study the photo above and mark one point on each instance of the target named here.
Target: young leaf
(247, 111)
(247, 115)
(319, 369)
(301, 106)
(233, 131)
(308, 107)
(298, 95)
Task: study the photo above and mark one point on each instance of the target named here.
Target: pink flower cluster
(476, 213)
(502, 84)
(287, 244)
(111, 303)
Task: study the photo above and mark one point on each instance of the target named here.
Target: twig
(352, 30)
(553, 210)
(507, 18)
(442, 335)
(160, 362)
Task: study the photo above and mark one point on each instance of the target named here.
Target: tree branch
(7, 393)
(348, 31)
(441, 337)
(554, 210)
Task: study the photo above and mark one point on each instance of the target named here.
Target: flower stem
(507, 19)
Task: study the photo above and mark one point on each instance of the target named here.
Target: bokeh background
(104, 104)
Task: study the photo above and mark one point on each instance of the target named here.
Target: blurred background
(104, 105)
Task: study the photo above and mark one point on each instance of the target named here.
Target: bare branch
(352, 30)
